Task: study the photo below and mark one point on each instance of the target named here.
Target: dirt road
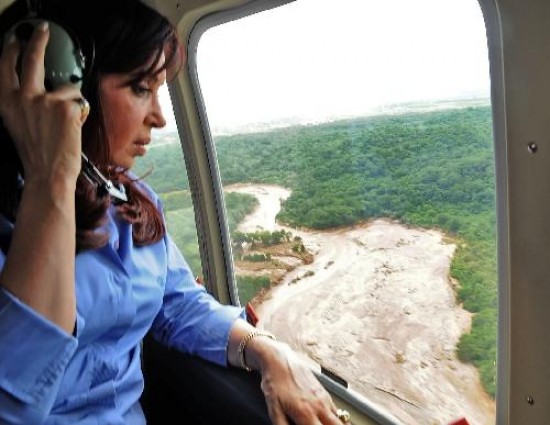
(378, 307)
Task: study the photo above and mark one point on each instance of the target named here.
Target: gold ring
(344, 416)
(84, 107)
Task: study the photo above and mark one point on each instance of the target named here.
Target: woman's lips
(141, 147)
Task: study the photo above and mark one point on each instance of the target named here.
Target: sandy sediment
(378, 307)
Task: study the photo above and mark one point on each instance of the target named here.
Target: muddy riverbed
(377, 306)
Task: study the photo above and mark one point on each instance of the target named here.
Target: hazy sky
(307, 60)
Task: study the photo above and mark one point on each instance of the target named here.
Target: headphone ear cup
(64, 61)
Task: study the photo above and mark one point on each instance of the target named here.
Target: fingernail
(43, 26)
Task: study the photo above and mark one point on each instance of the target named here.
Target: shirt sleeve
(190, 318)
(33, 356)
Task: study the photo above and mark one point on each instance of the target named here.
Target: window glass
(354, 140)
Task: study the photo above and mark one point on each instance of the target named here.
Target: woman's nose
(156, 117)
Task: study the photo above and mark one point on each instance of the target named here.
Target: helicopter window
(355, 147)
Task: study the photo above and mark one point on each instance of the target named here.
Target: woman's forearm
(39, 267)
(257, 350)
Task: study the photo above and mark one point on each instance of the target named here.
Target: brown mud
(378, 307)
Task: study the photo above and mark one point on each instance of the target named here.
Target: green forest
(434, 170)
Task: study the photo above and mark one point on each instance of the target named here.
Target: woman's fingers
(32, 72)
(293, 393)
(329, 412)
(330, 417)
(312, 407)
(8, 77)
(276, 414)
(46, 127)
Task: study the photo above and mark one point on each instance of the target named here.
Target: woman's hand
(46, 126)
(291, 389)
(46, 130)
(292, 392)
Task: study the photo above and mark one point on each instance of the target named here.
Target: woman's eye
(140, 90)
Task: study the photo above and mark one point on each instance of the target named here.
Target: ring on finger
(84, 107)
(344, 416)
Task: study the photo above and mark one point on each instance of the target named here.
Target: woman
(71, 327)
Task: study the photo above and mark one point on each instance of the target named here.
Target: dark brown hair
(122, 36)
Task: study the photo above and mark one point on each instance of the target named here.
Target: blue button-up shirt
(94, 377)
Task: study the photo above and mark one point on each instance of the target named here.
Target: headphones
(64, 63)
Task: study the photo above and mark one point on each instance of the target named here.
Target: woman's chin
(126, 163)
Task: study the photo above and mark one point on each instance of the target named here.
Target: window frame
(206, 189)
